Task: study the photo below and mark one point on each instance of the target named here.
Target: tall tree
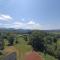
(37, 41)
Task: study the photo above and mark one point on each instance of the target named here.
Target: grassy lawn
(22, 48)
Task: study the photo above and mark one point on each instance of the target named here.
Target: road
(12, 56)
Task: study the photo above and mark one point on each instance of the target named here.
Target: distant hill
(25, 30)
(15, 30)
(52, 31)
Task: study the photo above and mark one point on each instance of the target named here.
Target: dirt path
(33, 56)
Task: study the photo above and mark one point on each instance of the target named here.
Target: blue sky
(30, 14)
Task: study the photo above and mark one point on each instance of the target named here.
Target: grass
(47, 57)
(5, 43)
(22, 48)
(58, 42)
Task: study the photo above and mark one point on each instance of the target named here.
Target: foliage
(45, 42)
(37, 41)
(41, 41)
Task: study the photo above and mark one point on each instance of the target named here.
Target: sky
(30, 14)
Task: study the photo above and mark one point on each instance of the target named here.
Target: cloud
(24, 25)
(5, 17)
(18, 24)
(33, 25)
(31, 22)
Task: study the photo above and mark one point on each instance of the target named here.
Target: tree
(11, 40)
(37, 41)
(55, 41)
